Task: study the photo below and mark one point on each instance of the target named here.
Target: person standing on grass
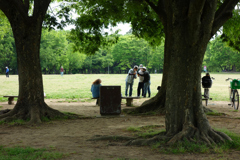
(61, 70)
(140, 83)
(146, 82)
(7, 72)
(132, 74)
(95, 89)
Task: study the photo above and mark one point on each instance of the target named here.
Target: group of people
(143, 84)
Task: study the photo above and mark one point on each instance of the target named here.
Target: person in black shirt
(207, 81)
(146, 82)
(140, 74)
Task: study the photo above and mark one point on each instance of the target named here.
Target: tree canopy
(231, 31)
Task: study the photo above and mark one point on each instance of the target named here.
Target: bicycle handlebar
(232, 79)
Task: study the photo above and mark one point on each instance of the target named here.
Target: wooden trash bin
(110, 100)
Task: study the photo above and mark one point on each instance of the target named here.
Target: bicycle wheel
(235, 99)
(206, 95)
(232, 94)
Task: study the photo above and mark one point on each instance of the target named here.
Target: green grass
(28, 153)
(17, 122)
(77, 86)
(181, 147)
(2, 99)
(2, 122)
(14, 122)
(67, 115)
(72, 87)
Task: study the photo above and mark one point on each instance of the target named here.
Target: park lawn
(77, 86)
(74, 86)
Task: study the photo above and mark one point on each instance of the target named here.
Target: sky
(124, 27)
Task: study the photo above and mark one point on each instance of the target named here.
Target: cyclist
(207, 81)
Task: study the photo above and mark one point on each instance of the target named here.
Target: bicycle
(233, 92)
(206, 84)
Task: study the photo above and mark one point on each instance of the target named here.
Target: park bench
(11, 98)
(98, 101)
(129, 100)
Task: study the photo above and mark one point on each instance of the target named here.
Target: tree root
(155, 104)
(35, 114)
(206, 110)
(144, 109)
(146, 142)
(130, 140)
(4, 111)
(190, 133)
(209, 137)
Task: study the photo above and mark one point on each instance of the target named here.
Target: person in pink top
(61, 70)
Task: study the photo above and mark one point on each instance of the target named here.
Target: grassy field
(78, 85)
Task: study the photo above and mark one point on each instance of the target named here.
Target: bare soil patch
(70, 136)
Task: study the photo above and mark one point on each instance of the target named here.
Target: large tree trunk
(188, 26)
(188, 37)
(27, 34)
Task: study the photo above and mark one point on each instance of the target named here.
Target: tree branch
(207, 18)
(3, 5)
(159, 9)
(194, 18)
(20, 7)
(196, 9)
(40, 8)
(160, 3)
(223, 14)
(26, 4)
(11, 8)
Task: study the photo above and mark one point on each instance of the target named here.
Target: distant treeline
(57, 50)
(220, 57)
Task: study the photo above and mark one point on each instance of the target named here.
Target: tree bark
(27, 34)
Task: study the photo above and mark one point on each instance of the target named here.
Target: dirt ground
(70, 136)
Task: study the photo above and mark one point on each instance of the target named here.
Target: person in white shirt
(140, 83)
(132, 74)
